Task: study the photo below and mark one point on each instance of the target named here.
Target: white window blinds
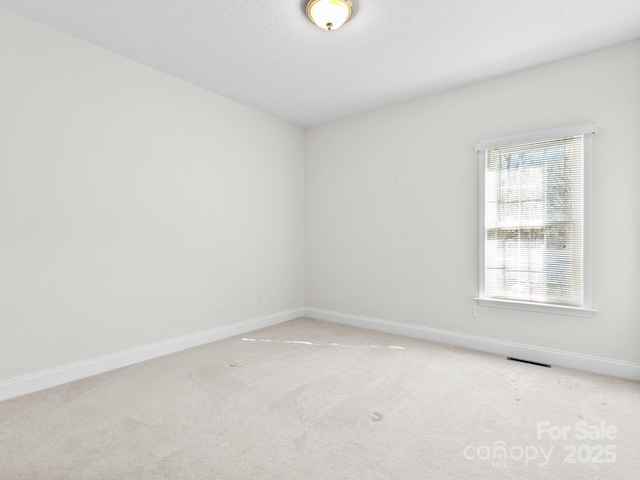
(534, 220)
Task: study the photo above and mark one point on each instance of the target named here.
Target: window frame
(587, 130)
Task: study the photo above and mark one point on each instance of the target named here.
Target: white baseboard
(598, 365)
(69, 373)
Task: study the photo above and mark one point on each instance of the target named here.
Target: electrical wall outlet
(472, 311)
(259, 298)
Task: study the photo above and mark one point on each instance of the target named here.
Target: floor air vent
(529, 361)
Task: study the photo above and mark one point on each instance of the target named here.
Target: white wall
(134, 208)
(382, 242)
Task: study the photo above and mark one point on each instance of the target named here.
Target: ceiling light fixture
(329, 14)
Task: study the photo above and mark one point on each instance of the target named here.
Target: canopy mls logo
(500, 454)
(593, 451)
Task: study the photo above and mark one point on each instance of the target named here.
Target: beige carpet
(314, 400)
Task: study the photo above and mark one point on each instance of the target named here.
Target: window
(535, 221)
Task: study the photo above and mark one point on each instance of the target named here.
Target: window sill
(536, 307)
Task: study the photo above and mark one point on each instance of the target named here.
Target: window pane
(533, 222)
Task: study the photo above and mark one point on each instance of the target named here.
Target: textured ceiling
(268, 55)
